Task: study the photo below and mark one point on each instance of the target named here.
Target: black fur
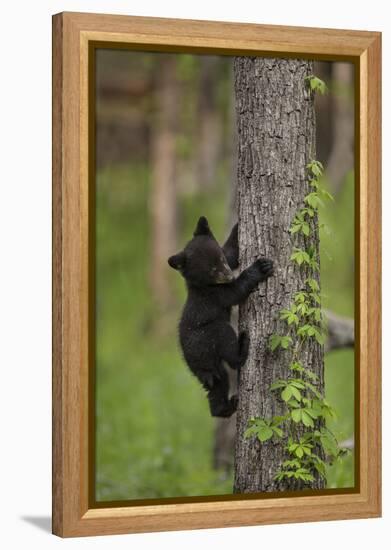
(206, 336)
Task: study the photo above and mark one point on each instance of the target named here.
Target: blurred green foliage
(153, 427)
(337, 277)
(154, 433)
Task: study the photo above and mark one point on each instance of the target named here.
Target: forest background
(166, 155)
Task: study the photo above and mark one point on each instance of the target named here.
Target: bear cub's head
(202, 262)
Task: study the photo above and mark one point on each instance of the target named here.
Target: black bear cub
(206, 336)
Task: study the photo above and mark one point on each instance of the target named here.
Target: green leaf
(265, 433)
(249, 432)
(274, 342)
(317, 313)
(276, 420)
(328, 409)
(299, 452)
(313, 200)
(286, 394)
(312, 387)
(307, 450)
(300, 297)
(296, 415)
(316, 84)
(278, 431)
(313, 284)
(293, 404)
(302, 309)
(320, 338)
(286, 341)
(315, 184)
(315, 169)
(283, 341)
(294, 463)
(326, 194)
(303, 330)
(296, 366)
(305, 438)
(320, 467)
(315, 296)
(300, 225)
(315, 164)
(312, 376)
(312, 413)
(309, 211)
(278, 384)
(329, 443)
(317, 406)
(295, 228)
(305, 476)
(295, 392)
(300, 256)
(297, 383)
(289, 316)
(306, 419)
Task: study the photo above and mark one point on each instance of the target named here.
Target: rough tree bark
(276, 140)
(163, 197)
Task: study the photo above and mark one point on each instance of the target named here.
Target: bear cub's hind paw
(234, 403)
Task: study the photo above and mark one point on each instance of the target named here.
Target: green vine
(305, 406)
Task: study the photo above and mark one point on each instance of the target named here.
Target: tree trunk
(163, 199)
(276, 141)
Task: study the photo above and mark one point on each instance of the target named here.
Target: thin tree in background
(276, 142)
(163, 195)
(208, 144)
(341, 158)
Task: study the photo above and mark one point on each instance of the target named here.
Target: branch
(348, 443)
(340, 332)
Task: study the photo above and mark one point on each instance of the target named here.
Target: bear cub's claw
(265, 268)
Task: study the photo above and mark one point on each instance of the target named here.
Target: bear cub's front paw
(265, 268)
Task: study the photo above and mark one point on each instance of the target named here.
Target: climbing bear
(206, 336)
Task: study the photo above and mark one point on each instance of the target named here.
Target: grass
(154, 432)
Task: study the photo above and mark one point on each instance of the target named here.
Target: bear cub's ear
(177, 261)
(202, 227)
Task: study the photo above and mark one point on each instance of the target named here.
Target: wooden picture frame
(74, 37)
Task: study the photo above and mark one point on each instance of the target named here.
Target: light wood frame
(73, 514)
